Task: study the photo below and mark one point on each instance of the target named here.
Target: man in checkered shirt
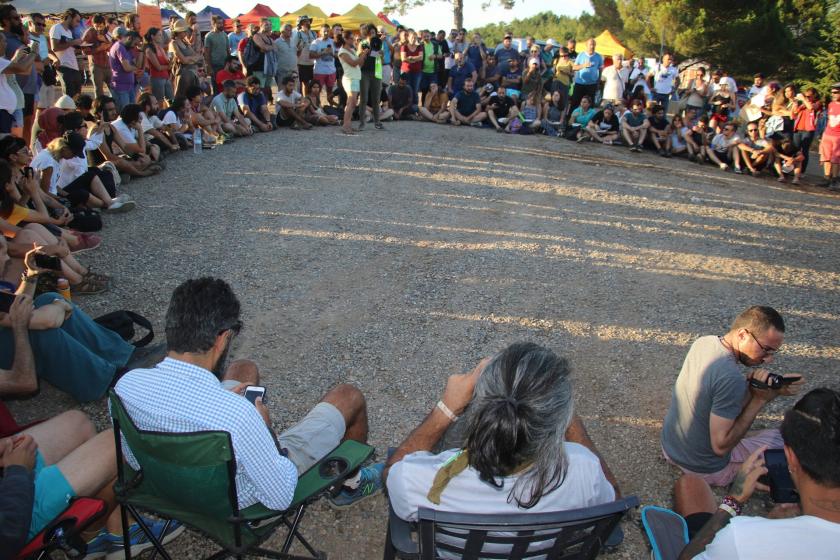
(191, 390)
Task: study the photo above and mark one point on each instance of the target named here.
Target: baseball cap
(835, 86)
(508, 36)
(551, 43)
(76, 143)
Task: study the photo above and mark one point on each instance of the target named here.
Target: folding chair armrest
(331, 470)
(399, 531)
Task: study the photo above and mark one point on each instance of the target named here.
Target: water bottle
(62, 286)
(197, 141)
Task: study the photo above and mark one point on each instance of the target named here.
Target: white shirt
(128, 135)
(171, 118)
(721, 143)
(663, 78)
(70, 170)
(67, 57)
(715, 87)
(281, 96)
(147, 123)
(44, 161)
(757, 538)
(8, 99)
(614, 80)
(324, 64)
(301, 40)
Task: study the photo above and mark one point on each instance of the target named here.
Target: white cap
(550, 43)
(65, 102)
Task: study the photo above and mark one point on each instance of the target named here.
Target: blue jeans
(802, 140)
(162, 89)
(414, 82)
(426, 80)
(122, 98)
(662, 99)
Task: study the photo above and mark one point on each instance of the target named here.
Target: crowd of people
(504, 437)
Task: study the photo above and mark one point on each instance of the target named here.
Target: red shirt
(100, 58)
(405, 52)
(223, 75)
(163, 60)
(806, 120)
(241, 46)
(832, 127)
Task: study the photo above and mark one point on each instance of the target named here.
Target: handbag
(122, 322)
(49, 76)
(85, 219)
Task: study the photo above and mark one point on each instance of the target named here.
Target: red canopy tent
(254, 16)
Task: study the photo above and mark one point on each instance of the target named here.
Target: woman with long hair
(315, 113)
(351, 62)
(185, 60)
(411, 54)
(805, 114)
(159, 65)
(554, 111)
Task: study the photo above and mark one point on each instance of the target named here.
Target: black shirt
(658, 124)
(603, 123)
(501, 105)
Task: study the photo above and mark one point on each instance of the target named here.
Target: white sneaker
(121, 206)
(124, 197)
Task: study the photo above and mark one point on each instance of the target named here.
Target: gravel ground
(396, 258)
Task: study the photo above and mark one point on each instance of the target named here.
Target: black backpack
(122, 322)
(251, 55)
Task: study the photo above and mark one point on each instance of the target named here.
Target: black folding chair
(579, 534)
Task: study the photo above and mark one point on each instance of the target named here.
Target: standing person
(587, 68)
(664, 75)
(323, 52)
(97, 54)
(25, 73)
(615, 77)
(185, 59)
(563, 74)
(697, 92)
(123, 67)
(805, 113)
(411, 54)
(64, 46)
(477, 53)
(287, 57)
(141, 75)
(266, 67)
(506, 53)
(159, 65)
(370, 86)
(830, 143)
(304, 36)
(235, 36)
(429, 75)
(194, 32)
(571, 46)
(216, 49)
(387, 56)
(49, 92)
(351, 80)
(442, 65)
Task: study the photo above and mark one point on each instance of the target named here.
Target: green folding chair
(191, 477)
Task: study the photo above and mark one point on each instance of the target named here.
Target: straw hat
(179, 26)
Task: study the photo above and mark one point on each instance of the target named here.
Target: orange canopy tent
(254, 16)
(606, 44)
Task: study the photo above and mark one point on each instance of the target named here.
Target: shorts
(351, 86)
(47, 96)
(830, 149)
(305, 73)
(6, 122)
(513, 92)
(28, 104)
(695, 522)
(311, 439)
(52, 495)
(327, 81)
(723, 156)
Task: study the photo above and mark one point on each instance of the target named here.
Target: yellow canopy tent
(607, 45)
(318, 16)
(358, 15)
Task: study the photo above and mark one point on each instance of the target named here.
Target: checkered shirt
(179, 397)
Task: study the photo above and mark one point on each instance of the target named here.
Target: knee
(77, 422)
(244, 371)
(347, 398)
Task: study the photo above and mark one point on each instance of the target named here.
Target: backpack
(122, 322)
(251, 54)
(85, 219)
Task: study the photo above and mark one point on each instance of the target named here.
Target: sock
(353, 482)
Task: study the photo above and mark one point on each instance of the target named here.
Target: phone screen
(254, 391)
(48, 262)
(782, 489)
(6, 301)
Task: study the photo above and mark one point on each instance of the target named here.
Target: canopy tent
(84, 6)
(254, 16)
(358, 15)
(204, 17)
(388, 21)
(318, 16)
(607, 45)
(149, 17)
(166, 13)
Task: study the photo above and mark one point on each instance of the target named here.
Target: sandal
(90, 284)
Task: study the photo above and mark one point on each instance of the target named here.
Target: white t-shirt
(8, 99)
(281, 96)
(410, 480)
(70, 170)
(128, 135)
(171, 118)
(721, 143)
(614, 80)
(715, 87)
(67, 57)
(324, 63)
(757, 538)
(43, 161)
(663, 78)
(302, 40)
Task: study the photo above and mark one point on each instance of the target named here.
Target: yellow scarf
(454, 466)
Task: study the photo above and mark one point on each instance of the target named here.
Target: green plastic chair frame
(191, 477)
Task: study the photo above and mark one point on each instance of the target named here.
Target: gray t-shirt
(710, 382)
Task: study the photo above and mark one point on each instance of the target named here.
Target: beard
(221, 364)
(17, 29)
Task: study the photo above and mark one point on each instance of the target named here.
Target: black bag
(122, 322)
(85, 219)
(251, 55)
(49, 76)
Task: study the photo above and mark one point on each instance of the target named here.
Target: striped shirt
(178, 397)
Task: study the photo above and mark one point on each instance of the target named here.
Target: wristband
(731, 506)
(445, 409)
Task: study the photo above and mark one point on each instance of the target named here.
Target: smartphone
(6, 301)
(788, 379)
(782, 489)
(254, 391)
(47, 262)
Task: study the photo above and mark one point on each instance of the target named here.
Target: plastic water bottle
(62, 286)
(197, 141)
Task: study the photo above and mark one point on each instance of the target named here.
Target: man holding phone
(809, 529)
(64, 46)
(193, 390)
(706, 430)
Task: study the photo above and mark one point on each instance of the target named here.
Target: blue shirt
(503, 56)
(233, 41)
(28, 83)
(386, 52)
(474, 54)
(467, 102)
(253, 102)
(177, 397)
(459, 75)
(591, 75)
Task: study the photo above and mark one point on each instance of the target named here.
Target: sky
(433, 15)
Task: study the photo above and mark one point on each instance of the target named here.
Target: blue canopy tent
(204, 16)
(165, 14)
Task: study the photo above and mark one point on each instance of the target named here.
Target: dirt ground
(393, 259)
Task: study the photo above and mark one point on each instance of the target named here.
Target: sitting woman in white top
(517, 455)
(807, 529)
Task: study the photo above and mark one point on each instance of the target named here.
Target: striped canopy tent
(204, 16)
(358, 15)
(319, 17)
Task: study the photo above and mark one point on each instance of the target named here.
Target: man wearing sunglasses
(754, 152)
(715, 400)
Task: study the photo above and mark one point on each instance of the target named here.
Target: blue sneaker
(99, 546)
(370, 484)
(138, 540)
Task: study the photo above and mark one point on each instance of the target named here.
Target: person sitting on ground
(254, 106)
(315, 112)
(225, 106)
(634, 126)
(723, 146)
(129, 134)
(193, 390)
(603, 127)
(553, 111)
(465, 107)
(291, 106)
(203, 118)
(500, 109)
(810, 529)
(677, 143)
(787, 159)
(713, 406)
(435, 105)
(401, 99)
(152, 126)
(110, 149)
(660, 131)
(532, 81)
(490, 71)
(174, 123)
(698, 138)
(532, 112)
(754, 152)
(517, 446)
(579, 119)
(232, 70)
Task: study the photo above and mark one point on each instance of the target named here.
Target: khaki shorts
(48, 95)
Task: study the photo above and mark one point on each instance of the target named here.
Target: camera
(774, 381)
(374, 44)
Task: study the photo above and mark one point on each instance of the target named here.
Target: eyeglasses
(768, 351)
